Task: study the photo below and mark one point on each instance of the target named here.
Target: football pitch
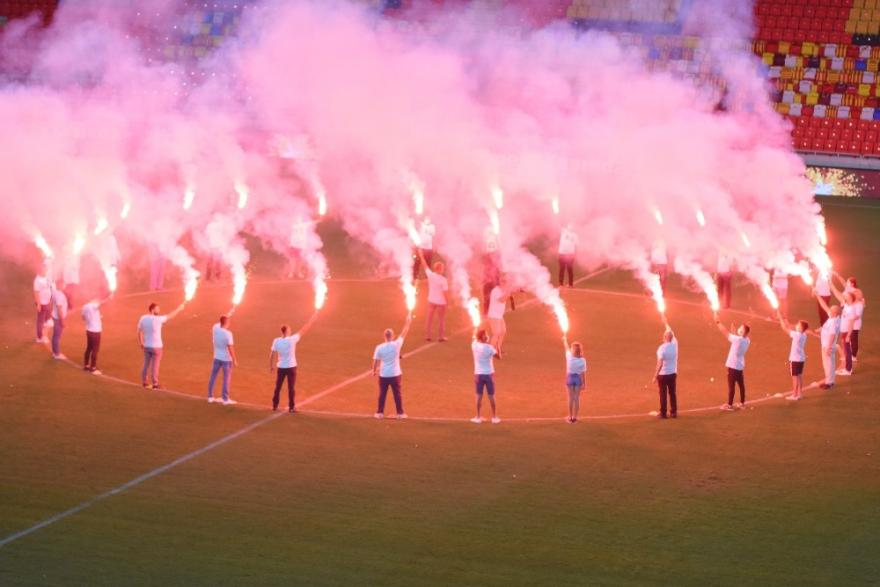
(105, 483)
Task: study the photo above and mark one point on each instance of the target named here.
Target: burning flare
(473, 310)
(110, 275)
(320, 287)
(771, 297)
(701, 218)
(653, 282)
(190, 284)
(79, 243)
(554, 203)
(189, 194)
(239, 283)
(44, 247)
(242, 191)
(561, 315)
(126, 208)
(658, 216)
(101, 225)
(497, 196)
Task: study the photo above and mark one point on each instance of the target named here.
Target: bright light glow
(822, 262)
(322, 202)
(497, 196)
(242, 190)
(126, 208)
(821, 232)
(554, 203)
(473, 310)
(44, 247)
(802, 270)
(701, 219)
(653, 283)
(239, 284)
(771, 297)
(707, 284)
(189, 194)
(320, 287)
(110, 276)
(496, 221)
(658, 216)
(190, 284)
(79, 243)
(409, 293)
(745, 239)
(561, 315)
(417, 187)
(101, 225)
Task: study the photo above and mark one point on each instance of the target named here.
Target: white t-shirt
(426, 235)
(151, 326)
(91, 313)
(724, 264)
(437, 286)
(860, 311)
(736, 357)
(497, 303)
(848, 317)
(59, 305)
(43, 288)
(575, 365)
(658, 255)
(483, 355)
(830, 332)
(798, 342)
(388, 354)
(568, 242)
(285, 346)
(668, 353)
(823, 287)
(222, 339)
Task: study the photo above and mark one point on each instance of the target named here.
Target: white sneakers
(96, 372)
(59, 357)
(726, 408)
(378, 415)
(792, 398)
(229, 402)
(843, 372)
(211, 400)
(496, 420)
(402, 416)
(477, 420)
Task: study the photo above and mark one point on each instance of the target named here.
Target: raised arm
(308, 325)
(406, 326)
(822, 303)
(176, 311)
(839, 277)
(422, 258)
(721, 328)
(837, 293)
(786, 326)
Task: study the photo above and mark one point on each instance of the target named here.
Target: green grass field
(783, 493)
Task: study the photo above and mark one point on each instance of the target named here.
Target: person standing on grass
(829, 336)
(724, 279)
(224, 359)
(575, 377)
(568, 242)
(497, 307)
(282, 357)
(386, 364)
(42, 301)
(848, 315)
(822, 288)
(797, 356)
(857, 326)
(666, 374)
(438, 286)
(736, 363)
(484, 373)
(59, 315)
(91, 314)
(150, 339)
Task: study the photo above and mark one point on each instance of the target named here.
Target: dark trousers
(57, 330)
(394, 384)
(666, 383)
(93, 345)
(288, 373)
(855, 343)
(42, 315)
(724, 283)
(847, 351)
(417, 262)
(823, 315)
(735, 377)
(566, 265)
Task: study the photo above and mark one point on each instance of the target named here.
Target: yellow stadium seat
(812, 99)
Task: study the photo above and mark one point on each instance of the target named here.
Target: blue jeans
(152, 358)
(57, 329)
(227, 375)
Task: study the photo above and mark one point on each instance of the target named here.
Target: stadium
(642, 231)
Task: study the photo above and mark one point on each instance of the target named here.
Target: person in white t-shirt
(568, 242)
(484, 373)
(42, 301)
(575, 377)
(91, 314)
(736, 363)
(424, 253)
(438, 286)
(849, 314)
(224, 359)
(59, 316)
(822, 288)
(666, 374)
(282, 358)
(386, 364)
(857, 327)
(150, 339)
(797, 356)
(829, 337)
(497, 307)
(724, 279)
